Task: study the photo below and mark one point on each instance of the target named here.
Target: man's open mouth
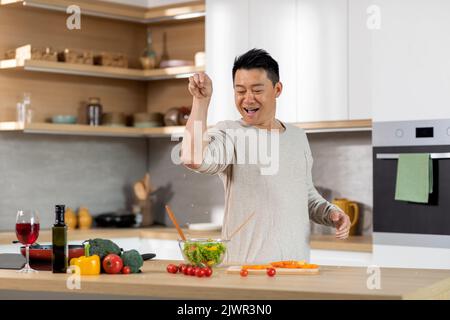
(251, 111)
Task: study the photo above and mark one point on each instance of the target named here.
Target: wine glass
(27, 231)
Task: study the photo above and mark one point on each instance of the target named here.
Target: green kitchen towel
(414, 177)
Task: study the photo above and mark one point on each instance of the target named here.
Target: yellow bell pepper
(89, 265)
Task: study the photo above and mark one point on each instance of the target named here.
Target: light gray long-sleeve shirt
(283, 198)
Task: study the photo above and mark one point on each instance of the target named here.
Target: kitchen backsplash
(342, 168)
(39, 171)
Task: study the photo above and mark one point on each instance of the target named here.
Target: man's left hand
(341, 223)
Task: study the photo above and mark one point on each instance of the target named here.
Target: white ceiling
(148, 3)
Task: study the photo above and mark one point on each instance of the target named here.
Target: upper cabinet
(277, 36)
(313, 45)
(411, 64)
(226, 28)
(322, 64)
(362, 23)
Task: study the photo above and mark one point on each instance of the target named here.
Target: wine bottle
(59, 241)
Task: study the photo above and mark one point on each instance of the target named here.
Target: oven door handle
(390, 156)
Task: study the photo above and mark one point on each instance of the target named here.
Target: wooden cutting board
(280, 271)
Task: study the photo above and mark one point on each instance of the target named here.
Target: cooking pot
(118, 220)
(44, 252)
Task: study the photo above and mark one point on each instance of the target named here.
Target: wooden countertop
(324, 242)
(155, 282)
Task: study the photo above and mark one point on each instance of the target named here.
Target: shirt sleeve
(219, 154)
(319, 208)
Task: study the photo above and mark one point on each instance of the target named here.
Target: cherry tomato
(271, 272)
(208, 272)
(200, 272)
(171, 268)
(126, 270)
(244, 272)
(187, 270)
(193, 271)
(182, 267)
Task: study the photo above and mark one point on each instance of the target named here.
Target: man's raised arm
(192, 151)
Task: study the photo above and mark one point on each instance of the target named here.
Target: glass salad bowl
(203, 252)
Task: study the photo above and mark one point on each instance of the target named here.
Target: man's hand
(341, 223)
(200, 86)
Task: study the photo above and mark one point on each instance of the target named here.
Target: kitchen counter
(323, 242)
(155, 282)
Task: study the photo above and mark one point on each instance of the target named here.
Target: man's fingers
(343, 232)
(194, 89)
(197, 80)
(201, 77)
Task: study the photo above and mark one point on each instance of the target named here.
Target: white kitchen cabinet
(226, 28)
(340, 258)
(411, 64)
(360, 58)
(234, 27)
(323, 48)
(272, 28)
(322, 60)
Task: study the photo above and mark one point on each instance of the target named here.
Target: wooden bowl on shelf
(114, 119)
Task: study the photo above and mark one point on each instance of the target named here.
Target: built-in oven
(409, 234)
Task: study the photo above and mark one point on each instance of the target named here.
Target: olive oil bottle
(59, 241)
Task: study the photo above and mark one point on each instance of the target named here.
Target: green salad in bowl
(203, 252)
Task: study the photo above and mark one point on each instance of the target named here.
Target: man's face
(255, 96)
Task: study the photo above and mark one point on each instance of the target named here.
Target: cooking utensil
(174, 221)
(241, 226)
(113, 219)
(139, 191)
(146, 182)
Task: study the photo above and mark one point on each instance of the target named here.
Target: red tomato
(193, 271)
(171, 268)
(208, 272)
(187, 270)
(126, 270)
(200, 272)
(182, 267)
(244, 272)
(271, 272)
(112, 263)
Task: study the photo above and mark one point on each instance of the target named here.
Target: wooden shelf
(177, 131)
(100, 71)
(86, 130)
(116, 11)
(83, 130)
(336, 126)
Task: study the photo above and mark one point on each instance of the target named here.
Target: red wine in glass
(27, 233)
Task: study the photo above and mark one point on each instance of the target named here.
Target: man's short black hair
(258, 59)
